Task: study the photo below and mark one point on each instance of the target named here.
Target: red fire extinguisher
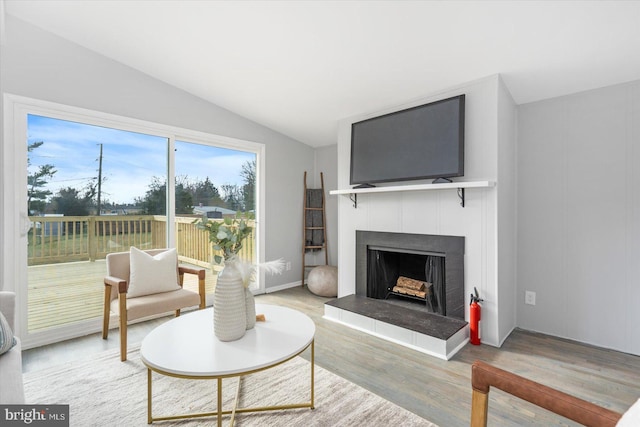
(474, 317)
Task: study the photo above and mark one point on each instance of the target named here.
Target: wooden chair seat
(116, 284)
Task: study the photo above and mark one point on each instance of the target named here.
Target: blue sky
(129, 160)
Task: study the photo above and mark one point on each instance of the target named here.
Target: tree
(155, 199)
(205, 192)
(184, 199)
(69, 202)
(248, 174)
(232, 197)
(36, 193)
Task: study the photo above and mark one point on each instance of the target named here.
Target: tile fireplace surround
(406, 322)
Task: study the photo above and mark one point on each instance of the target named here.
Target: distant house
(121, 210)
(49, 228)
(213, 212)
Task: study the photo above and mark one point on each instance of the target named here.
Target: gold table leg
(313, 364)
(220, 412)
(149, 417)
(235, 402)
(219, 402)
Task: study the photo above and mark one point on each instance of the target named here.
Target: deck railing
(60, 239)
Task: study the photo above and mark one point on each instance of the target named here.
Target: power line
(71, 179)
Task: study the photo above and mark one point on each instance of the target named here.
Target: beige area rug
(102, 391)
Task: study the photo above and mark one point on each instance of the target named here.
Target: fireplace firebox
(413, 276)
(419, 268)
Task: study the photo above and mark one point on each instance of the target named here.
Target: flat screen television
(421, 142)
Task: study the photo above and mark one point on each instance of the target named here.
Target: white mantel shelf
(460, 186)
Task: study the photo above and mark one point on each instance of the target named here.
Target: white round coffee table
(186, 347)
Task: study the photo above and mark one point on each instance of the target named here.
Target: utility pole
(99, 180)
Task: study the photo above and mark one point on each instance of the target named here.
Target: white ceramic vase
(250, 308)
(229, 306)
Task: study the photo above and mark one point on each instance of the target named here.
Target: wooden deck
(60, 294)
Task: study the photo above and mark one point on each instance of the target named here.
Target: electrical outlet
(288, 265)
(530, 297)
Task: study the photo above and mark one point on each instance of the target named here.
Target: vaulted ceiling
(299, 67)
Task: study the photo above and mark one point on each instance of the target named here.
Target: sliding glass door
(98, 184)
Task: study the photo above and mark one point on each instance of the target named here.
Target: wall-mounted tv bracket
(354, 198)
(461, 196)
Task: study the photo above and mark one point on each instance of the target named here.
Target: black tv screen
(417, 143)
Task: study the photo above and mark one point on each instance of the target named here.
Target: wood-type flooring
(437, 390)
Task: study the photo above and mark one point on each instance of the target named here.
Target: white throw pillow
(152, 274)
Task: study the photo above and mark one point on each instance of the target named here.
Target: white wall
(2, 61)
(39, 65)
(579, 216)
(439, 212)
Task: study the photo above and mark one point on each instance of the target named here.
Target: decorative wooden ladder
(312, 223)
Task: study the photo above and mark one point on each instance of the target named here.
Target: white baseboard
(283, 287)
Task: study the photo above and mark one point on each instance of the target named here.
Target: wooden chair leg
(479, 408)
(177, 313)
(107, 312)
(123, 326)
(202, 292)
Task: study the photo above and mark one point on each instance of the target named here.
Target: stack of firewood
(413, 287)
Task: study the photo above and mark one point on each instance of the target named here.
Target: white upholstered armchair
(11, 386)
(144, 283)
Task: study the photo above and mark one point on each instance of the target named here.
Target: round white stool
(323, 281)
